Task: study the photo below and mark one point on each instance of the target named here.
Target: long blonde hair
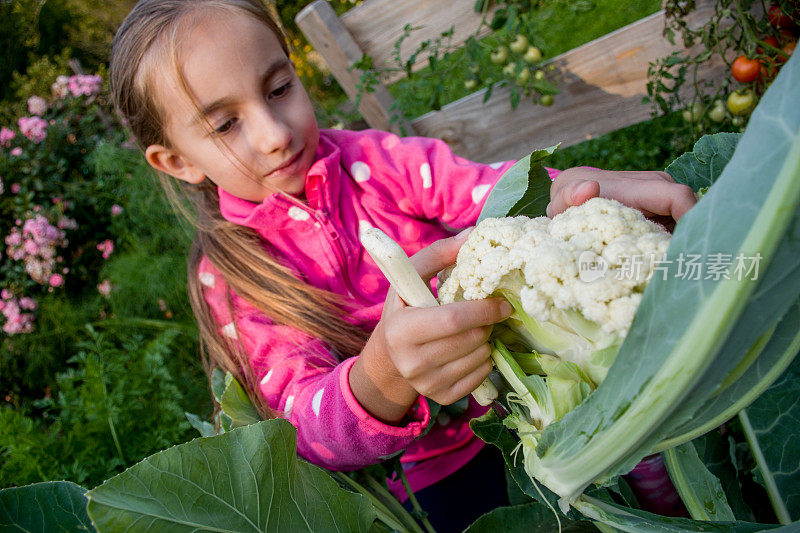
(236, 251)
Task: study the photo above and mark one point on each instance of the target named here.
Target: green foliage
(120, 399)
(50, 506)
(553, 26)
(254, 494)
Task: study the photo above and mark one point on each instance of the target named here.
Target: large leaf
(635, 521)
(527, 518)
(699, 489)
(773, 359)
(524, 189)
(772, 426)
(248, 479)
(682, 324)
(50, 506)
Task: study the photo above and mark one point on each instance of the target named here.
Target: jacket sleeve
(428, 180)
(304, 382)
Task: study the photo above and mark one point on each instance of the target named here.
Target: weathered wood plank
(602, 84)
(377, 24)
(330, 38)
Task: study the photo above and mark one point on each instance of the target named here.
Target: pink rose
(37, 105)
(116, 210)
(6, 136)
(34, 128)
(104, 287)
(6, 294)
(106, 247)
(27, 303)
(56, 280)
(16, 152)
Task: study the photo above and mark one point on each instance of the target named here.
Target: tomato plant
(745, 70)
(752, 39)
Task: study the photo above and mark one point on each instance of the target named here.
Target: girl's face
(247, 90)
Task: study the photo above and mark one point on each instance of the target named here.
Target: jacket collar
(322, 186)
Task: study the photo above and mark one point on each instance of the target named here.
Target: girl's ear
(167, 160)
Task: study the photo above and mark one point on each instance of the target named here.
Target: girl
(286, 298)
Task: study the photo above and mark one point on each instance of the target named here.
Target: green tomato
(524, 76)
(694, 112)
(499, 56)
(741, 102)
(539, 75)
(717, 112)
(737, 121)
(519, 44)
(470, 84)
(508, 70)
(532, 55)
(546, 100)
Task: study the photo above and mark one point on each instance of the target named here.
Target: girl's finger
(574, 193)
(656, 198)
(438, 255)
(429, 324)
(468, 381)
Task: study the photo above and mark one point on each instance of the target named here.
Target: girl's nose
(271, 133)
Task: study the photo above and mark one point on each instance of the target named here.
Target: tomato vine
(752, 38)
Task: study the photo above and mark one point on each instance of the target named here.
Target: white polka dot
(265, 379)
(287, 410)
(230, 331)
(425, 172)
(363, 226)
(317, 401)
(497, 165)
(208, 279)
(298, 213)
(479, 192)
(360, 171)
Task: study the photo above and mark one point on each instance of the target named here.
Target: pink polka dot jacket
(413, 189)
(409, 188)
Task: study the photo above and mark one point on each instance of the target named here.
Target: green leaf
(703, 165)
(773, 434)
(246, 480)
(205, 428)
(699, 489)
(773, 359)
(527, 518)
(672, 360)
(236, 404)
(524, 189)
(636, 521)
(218, 383)
(49, 506)
(714, 450)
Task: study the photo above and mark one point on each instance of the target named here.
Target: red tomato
(778, 18)
(745, 70)
(770, 40)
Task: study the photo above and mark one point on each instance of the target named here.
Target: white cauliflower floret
(582, 272)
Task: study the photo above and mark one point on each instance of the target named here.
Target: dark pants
(459, 499)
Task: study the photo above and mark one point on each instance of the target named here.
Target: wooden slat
(331, 39)
(602, 84)
(377, 24)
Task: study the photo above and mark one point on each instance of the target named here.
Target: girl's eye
(226, 127)
(281, 91)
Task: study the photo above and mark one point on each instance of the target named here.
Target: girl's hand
(439, 352)
(653, 193)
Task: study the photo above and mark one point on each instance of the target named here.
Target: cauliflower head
(575, 280)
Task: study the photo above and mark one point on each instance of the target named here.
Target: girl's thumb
(438, 255)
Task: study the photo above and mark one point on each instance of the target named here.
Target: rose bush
(55, 210)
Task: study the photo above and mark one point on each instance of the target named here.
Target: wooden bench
(602, 83)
